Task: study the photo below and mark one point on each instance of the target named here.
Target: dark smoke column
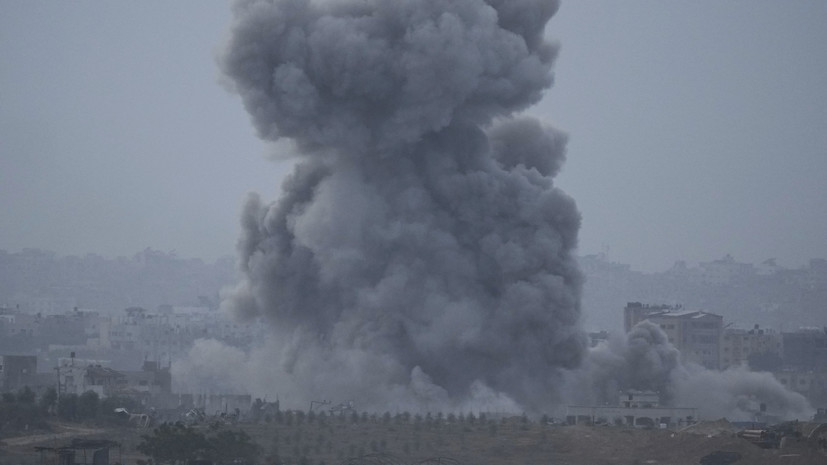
(419, 251)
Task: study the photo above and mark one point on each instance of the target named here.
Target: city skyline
(695, 130)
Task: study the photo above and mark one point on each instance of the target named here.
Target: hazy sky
(696, 129)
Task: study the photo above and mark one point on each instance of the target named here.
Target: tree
(87, 405)
(169, 443)
(67, 406)
(228, 446)
(25, 395)
(19, 412)
(48, 400)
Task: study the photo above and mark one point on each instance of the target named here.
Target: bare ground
(512, 441)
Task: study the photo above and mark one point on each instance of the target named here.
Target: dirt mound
(711, 428)
(720, 457)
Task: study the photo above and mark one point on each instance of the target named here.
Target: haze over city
(695, 129)
(425, 224)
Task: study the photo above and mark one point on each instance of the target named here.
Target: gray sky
(696, 129)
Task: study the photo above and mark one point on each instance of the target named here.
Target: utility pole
(57, 401)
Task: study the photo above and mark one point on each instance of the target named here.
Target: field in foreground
(383, 440)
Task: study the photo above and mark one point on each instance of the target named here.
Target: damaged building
(633, 408)
(696, 334)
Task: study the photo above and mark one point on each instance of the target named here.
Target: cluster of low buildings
(798, 359)
(150, 385)
(127, 354)
(633, 408)
(125, 339)
(130, 353)
(76, 376)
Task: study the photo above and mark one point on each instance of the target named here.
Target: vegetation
(401, 438)
(20, 411)
(23, 411)
(173, 442)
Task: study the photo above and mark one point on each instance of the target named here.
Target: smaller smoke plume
(738, 393)
(205, 368)
(644, 359)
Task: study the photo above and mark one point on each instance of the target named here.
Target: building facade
(635, 408)
(17, 371)
(806, 349)
(696, 334)
(738, 345)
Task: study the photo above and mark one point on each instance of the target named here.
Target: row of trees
(89, 406)
(289, 417)
(23, 410)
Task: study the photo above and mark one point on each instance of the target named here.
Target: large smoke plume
(419, 255)
(419, 252)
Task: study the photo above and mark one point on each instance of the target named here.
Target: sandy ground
(513, 442)
(64, 433)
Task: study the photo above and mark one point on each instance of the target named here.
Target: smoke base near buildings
(420, 251)
(420, 255)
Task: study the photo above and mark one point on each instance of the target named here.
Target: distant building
(16, 324)
(805, 349)
(597, 338)
(78, 376)
(816, 274)
(635, 408)
(805, 363)
(103, 380)
(635, 312)
(152, 379)
(737, 345)
(639, 399)
(696, 334)
(798, 381)
(17, 371)
(725, 271)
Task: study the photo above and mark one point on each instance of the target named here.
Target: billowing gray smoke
(641, 360)
(644, 359)
(419, 252)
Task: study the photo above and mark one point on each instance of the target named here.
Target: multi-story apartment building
(696, 334)
(738, 345)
